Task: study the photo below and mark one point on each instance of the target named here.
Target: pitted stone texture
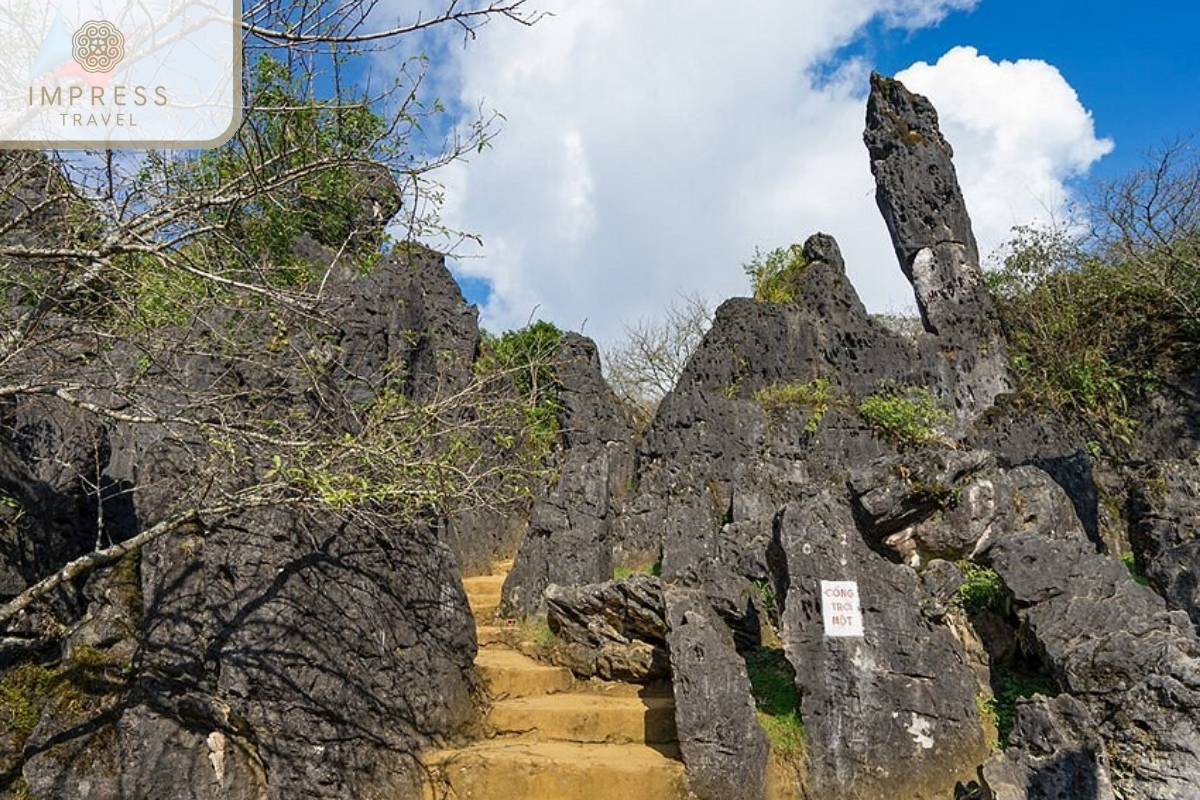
(1055, 751)
(889, 714)
(569, 537)
(724, 748)
(1164, 532)
(1109, 642)
(614, 630)
(918, 194)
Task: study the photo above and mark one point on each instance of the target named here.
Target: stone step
(507, 769)
(493, 634)
(484, 610)
(507, 673)
(593, 718)
(484, 585)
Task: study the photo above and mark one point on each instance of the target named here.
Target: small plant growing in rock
(1130, 561)
(982, 590)
(816, 395)
(774, 275)
(1009, 686)
(903, 414)
(773, 684)
(622, 572)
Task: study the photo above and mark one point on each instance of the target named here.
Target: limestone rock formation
(1165, 532)
(269, 654)
(891, 713)
(568, 541)
(918, 195)
(614, 630)
(724, 748)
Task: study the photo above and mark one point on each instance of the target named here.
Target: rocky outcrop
(1109, 642)
(568, 541)
(1127, 666)
(271, 653)
(890, 713)
(614, 630)
(1055, 751)
(917, 193)
(1164, 531)
(724, 748)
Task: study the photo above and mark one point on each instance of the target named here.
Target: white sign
(839, 608)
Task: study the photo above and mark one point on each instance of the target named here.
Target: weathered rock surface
(568, 541)
(1055, 751)
(917, 193)
(714, 456)
(274, 654)
(1109, 642)
(615, 630)
(1164, 531)
(724, 748)
(889, 714)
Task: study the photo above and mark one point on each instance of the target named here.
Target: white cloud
(1019, 133)
(650, 147)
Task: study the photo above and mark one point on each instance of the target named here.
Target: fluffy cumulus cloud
(1019, 134)
(649, 148)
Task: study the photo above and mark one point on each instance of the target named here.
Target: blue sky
(649, 148)
(1135, 66)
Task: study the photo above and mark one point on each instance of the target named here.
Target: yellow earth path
(551, 737)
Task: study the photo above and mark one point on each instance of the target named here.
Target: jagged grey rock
(917, 192)
(891, 713)
(568, 540)
(714, 456)
(724, 748)
(898, 491)
(1164, 531)
(615, 630)
(1109, 642)
(1055, 751)
(279, 654)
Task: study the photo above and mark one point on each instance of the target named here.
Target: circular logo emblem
(97, 46)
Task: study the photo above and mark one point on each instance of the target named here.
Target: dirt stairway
(552, 737)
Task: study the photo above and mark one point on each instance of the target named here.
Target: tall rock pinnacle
(917, 191)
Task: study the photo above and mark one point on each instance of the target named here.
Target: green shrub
(775, 275)
(905, 415)
(1130, 561)
(815, 395)
(982, 590)
(529, 356)
(1009, 686)
(773, 684)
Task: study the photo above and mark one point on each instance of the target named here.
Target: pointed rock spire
(917, 191)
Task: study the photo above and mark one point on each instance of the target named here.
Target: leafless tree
(647, 362)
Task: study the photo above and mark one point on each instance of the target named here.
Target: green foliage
(24, 692)
(982, 590)
(621, 572)
(1009, 686)
(1096, 320)
(1130, 562)
(816, 395)
(298, 165)
(536, 629)
(905, 415)
(773, 684)
(775, 275)
(529, 356)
